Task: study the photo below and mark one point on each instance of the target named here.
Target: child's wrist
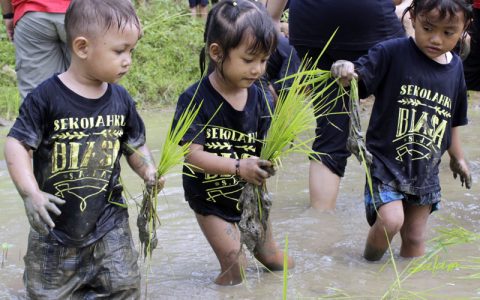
(237, 167)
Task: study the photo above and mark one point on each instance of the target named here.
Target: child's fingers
(468, 181)
(46, 217)
(54, 199)
(37, 223)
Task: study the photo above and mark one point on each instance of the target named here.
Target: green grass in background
(165, 61)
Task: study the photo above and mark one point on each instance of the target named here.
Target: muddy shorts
(383, 194)
(106, 269)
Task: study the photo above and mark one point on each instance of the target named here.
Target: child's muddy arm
(141, 162)
(37, 203)
(249, 169)
(458, 164)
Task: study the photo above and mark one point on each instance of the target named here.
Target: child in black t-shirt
(420, 100)
(77, 125)
(239, 38)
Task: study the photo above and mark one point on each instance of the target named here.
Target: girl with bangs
(239, 38)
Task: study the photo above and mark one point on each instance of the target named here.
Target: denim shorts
(106, 269)
(384, 194)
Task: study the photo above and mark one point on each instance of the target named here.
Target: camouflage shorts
(106, 269)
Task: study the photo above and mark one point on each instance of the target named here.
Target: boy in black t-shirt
(77, 124)
(420, 102)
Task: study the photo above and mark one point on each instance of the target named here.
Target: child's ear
(215, 52)
(80, 47)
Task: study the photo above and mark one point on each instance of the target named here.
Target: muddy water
(327, 246)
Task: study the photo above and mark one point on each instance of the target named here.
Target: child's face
(242, 67)
(435, 36)
(110, 54)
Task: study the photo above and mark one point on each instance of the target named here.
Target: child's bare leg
(224, 237)
(269, 254)
(414, 229)
(203, 11)
(193, 11)
(323, 186)
(388, 223)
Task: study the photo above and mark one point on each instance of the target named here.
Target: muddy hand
(38, 207)
(155, 183)
(253, 170)
(460, 168)
(272, 170)
(344, 70)
(355, 146)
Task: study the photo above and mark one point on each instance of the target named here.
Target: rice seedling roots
(256, 203)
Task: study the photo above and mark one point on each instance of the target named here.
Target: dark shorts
(471, 64)
(106, 269)
(332, 128)
(194, 3)
(207, 208)
(383, 194)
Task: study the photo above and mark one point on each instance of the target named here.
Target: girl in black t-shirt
(239, 37)
(420, 102)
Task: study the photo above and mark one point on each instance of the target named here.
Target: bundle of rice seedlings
(295, 113)
(172, 155)
(355, 142)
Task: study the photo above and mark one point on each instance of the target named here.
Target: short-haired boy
(77, 124)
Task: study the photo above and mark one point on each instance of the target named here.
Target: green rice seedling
(173, 154)
(5, 247)
(294, 114)
(447, 237)
(455, 235)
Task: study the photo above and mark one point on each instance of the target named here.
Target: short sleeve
(134, 135)
(371, 68)
(195, 132)
(29, 124)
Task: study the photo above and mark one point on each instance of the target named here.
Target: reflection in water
(327, 246)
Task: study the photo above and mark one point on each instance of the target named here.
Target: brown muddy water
(327, 247)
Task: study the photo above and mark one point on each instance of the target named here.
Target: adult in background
(36, 27)
(361, 24)
(471, 64)
(198, 8)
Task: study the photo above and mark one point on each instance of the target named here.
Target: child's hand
(460, 167)
(155, 184)
(253, 170)
(37, 207)
(344, 70)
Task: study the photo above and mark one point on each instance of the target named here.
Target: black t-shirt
(229, 133)
(77, 144)
(417, 102)
(362, 23)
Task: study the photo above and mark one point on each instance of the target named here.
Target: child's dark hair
(85, 17)
(446, 8)
(229, 21)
